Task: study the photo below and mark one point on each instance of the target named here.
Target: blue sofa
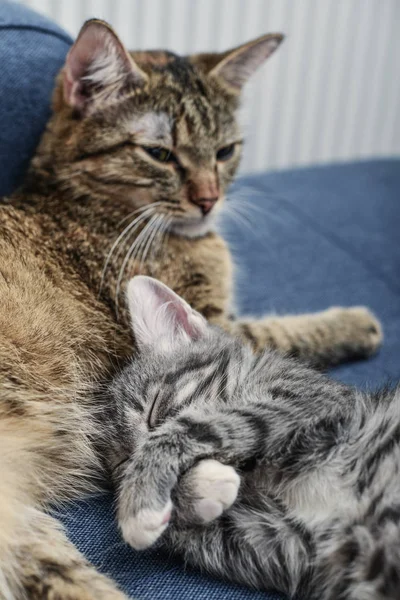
(322, 236)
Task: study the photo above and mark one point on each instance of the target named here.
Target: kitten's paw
(143, 529)
(214, 487)
(360, 330)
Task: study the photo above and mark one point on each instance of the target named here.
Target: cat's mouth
(192, 226)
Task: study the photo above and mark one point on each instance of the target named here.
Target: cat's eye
(161, 154)
(226, 152)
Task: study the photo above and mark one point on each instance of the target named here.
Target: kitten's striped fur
(318, 507)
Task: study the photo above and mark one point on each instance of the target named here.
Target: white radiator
(331, 92)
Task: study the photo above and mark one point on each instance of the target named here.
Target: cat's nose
(204, 193)
(205, 204)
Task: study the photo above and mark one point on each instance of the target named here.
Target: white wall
(331, 92)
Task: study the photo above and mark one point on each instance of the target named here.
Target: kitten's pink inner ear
(158, 313)
(237, 66)
(99, 59)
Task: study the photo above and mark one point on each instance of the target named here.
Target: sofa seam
(60, 36)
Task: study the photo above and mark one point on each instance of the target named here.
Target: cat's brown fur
(58, 333)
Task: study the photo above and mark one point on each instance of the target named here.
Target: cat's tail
(36, 558)
(362, 561)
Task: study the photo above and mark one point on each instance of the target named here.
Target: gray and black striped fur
(317, 512)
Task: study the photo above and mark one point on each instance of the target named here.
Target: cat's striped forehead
(182, 105)
(181, 131)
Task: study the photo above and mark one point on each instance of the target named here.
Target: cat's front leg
(146, 486)
(206, 491)
(326, 338)
(144, 504)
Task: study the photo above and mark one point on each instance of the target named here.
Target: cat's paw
(214, 488)
(143, 529)
(358, 330)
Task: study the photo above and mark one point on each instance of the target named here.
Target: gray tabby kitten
(255, 468)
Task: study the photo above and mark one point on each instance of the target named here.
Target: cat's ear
(234, 67)
(98, 67)
(161, 318)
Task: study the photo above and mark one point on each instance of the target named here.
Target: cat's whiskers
(241, 201)
(165, 236)
(156, 229)
(139, 248)
(244, 211)
(129, 229)
(129, 237)
(130, 254)
(240, 198)
(233, 213)
(158, 242)
(155, 247)
(147, 242)
(141, 208)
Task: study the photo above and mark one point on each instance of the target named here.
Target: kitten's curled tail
(364, 561)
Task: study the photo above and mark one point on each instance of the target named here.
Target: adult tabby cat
(318, 507)
(149, 142)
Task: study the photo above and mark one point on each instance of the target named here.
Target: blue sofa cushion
(32, 51)
(323, 236)
(319, 237)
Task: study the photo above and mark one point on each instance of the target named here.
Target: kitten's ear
(235, 67)
(161, 318)
(98, 67)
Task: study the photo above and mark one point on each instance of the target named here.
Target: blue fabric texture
(32, 51)
(326, 236)
(321, 236)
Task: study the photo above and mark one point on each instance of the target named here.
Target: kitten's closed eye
(153, 419)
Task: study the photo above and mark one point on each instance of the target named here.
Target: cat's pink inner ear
(236, 67)
(161, 317)
(96, 62)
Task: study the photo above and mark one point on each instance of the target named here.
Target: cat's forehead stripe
(155, 126)
(160, 128)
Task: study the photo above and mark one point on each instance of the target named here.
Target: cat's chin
(193, 228)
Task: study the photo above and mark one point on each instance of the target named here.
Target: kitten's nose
(205, 204)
